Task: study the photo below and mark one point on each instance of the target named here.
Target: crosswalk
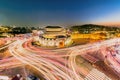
(96, 75)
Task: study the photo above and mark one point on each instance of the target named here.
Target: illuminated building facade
(55, 36)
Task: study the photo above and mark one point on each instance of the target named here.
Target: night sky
(59, 12)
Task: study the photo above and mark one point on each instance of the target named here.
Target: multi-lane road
(60, 64)
(112, 57)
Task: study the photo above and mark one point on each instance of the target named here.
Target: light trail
(9, 63)
(55, 64)
(84, 49)
(55, 68)
(112, 58)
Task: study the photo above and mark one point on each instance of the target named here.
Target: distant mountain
(89, 26)
(93, 27)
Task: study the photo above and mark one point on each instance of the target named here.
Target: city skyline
(55, 12)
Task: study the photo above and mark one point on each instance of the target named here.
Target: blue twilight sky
(58, 12)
